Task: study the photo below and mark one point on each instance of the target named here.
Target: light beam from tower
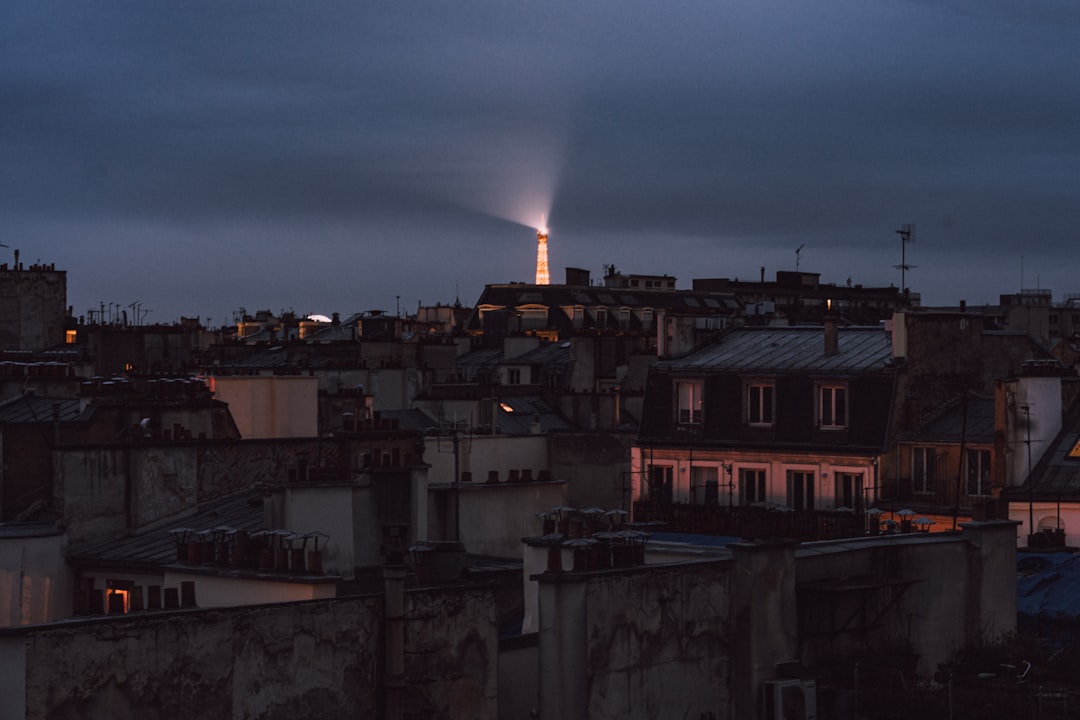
(543, 277)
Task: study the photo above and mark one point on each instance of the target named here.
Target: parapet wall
(297, 660)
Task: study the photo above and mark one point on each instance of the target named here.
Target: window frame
(923, 473)
(857, 480)
(761, 410)
(806, 493)
(660, 484)
(984, 478)
(753, 482)
(831, 421)
(695, 411)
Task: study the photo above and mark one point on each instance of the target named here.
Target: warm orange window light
(70, 336)
(1075, 452)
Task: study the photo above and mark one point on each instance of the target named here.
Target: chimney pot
(832, 340)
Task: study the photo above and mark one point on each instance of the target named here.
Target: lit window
(71, 336)
(923, 470)
(978, 472)
(689, 402)
(759, 404)
(832, 406)
(118, 593)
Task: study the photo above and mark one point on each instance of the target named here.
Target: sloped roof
(412, 419)
(523, 411)
(972, 424)
(790, 349)
(34, 409)
(1057, 474)
(557, 296)
(243, 511)
(547, 353)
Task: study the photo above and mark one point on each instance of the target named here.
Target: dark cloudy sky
(202, 156)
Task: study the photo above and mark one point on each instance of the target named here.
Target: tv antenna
(907, 235)
(798, 255)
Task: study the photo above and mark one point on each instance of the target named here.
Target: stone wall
(652, 642)
(310, 660)
(597, 466)
(698, 639)
(103, 491)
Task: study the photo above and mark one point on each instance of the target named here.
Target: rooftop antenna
(907, 235)
(798, 255)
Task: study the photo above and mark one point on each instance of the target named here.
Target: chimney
(832, 340)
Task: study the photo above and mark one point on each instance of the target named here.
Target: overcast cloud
(342, 156)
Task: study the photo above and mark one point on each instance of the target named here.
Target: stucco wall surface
(658, 642)
(297, 660)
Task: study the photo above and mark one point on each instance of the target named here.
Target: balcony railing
(753, 522)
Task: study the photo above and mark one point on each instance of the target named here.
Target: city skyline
(330, 157)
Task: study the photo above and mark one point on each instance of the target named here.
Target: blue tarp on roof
(1047, 591)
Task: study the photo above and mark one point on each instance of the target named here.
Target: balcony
(752, 521)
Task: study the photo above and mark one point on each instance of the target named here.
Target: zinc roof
(243, 511)
(33, 409)
(975, 424)
(790, 349)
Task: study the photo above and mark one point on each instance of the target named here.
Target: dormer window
(689, 401)
(759, 404)
(832, 406)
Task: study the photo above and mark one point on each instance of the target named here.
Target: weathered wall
(166, 479)
(646, 643)
(35, 583)
(658, 643)
(952, 590)
(596, 465)
(479, 454)
(33, 305)
(281, 406)
(519, 684)
(312, 659)
(494, 518)
(683, 640)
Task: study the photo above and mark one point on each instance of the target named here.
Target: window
(660, 484)
(689, 402)
(832, 406)
(704, 485)
(118, 595)
(978, 472)
(513, 376)
(923, 469)
(751, 486)
(759, 404)
(800, 490)
(849, 490)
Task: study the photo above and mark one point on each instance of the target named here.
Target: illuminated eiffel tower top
(543, 277)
